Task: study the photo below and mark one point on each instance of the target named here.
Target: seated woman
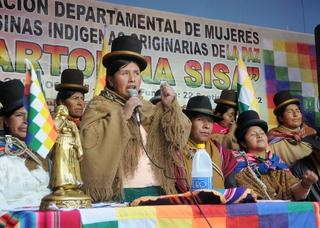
(223, 131)
(130, 144)
(260, 169)
(199, 110)
(310, 162)
(71, 93)
(23, 181)
(287, 139)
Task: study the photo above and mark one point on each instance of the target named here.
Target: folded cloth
(205, 196)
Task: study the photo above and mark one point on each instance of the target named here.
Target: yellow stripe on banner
(176, 223)
(174, 216)
(136, 213)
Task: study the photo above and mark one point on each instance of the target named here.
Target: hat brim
(239, 133)
(287, 102)
(155, 99)
(206, 112)
(126, 55)
(70, 86)
(226, 102)
(13, 106)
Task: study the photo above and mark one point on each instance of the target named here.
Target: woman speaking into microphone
(124, 160)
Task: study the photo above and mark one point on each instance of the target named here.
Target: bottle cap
(200, 146)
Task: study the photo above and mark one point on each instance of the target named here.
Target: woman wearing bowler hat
(129, 144)
(223, 131)
(260, 169)
(288, 138)
(71, 93)
(23, 179)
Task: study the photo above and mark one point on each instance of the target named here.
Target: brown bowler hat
(72, 79)
(227, 97)
(283, 98)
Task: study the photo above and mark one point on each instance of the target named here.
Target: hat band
(290, 101)
(125, 52)
(227, 102)
(204, 110)
(72, 86)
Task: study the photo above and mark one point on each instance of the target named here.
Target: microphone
(134, 93)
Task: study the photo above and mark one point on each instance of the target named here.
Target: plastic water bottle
(201, 169)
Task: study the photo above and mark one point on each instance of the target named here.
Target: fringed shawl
(287, 143)
(111, 144)
(272, 172)
(281, 133)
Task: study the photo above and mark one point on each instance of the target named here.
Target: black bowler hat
(125, 48)
(247, 119)
(11, 96)
(228, 97)
(200, 105)
(282, 99)
(156, 97)
(72, 79)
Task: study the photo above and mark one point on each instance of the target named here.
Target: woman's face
(17, 123)
(75, 104)
(127, 77)
(255, 139)
(228, 118)
(292, 117)
(201, 128)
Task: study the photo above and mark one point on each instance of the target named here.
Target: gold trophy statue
(65, 178)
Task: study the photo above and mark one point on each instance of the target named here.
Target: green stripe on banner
(109, 224)
(242, 106)
(32, 113)
(300, 206)
(33, 128)
(35, 144)
(32, 97)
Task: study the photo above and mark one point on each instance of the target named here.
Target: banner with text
(194, 55)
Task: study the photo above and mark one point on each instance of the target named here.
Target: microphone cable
(172, 178)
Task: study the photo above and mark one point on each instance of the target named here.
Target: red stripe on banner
(70, 219)
(45, 219)
(58, 219)
(27, 83)
(316, 213)
(210, 211)
(238, 221)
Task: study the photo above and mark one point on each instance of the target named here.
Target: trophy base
(73, 199)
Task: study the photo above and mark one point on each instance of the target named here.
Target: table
(264, 214)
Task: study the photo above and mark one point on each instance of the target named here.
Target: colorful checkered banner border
(194, 55)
